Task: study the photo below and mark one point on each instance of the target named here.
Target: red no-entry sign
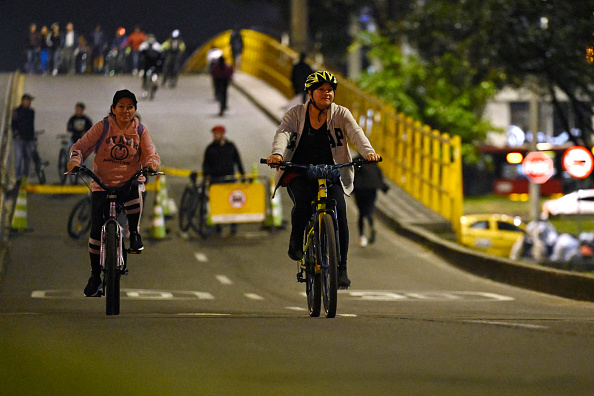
(538, 167)
(578, 162)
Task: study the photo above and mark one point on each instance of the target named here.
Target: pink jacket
(121, 154)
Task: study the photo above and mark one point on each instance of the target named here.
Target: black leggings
(133, 207)
(302, 192)
(365, 199)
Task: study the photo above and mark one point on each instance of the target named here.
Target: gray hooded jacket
(342, 126)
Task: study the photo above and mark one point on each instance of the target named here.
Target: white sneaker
(363, 241)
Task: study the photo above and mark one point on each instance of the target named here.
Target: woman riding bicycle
(122, 147)
(316, 133)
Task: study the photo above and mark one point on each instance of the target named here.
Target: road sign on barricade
(237, 202)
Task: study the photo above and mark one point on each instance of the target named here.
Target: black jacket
(23, 123)
(369, 177)
(220, 160)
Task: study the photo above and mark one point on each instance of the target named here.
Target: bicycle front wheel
(63, 159)
(187, 208)
(112, 273)
(79, 221)
(39, 168)
(329, 264)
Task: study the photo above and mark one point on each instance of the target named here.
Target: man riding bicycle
(316, 133)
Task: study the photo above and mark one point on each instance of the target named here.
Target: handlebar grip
(262, 160)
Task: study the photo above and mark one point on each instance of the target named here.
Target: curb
(521, 274)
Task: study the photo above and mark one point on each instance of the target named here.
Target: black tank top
(314, 146)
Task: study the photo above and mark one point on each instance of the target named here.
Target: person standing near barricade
(368, 179)
(221, 162)
(222, 73)
(23, 133)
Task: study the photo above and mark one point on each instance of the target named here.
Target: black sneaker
(343, 280)
(372, 236)
(295, 248)
(135, 242)
(94, 287)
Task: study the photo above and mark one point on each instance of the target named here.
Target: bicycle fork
(121, 263)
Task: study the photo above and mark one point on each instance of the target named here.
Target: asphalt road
(226, 316)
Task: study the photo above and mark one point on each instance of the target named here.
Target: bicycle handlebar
(288, 164)
(144, 171)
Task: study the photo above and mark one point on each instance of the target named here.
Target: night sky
(198, 20)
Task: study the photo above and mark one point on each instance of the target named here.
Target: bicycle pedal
(134, 251)
(300, 278)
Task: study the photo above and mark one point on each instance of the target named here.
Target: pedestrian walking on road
(222, 73)
(368, 179)
(298, 76)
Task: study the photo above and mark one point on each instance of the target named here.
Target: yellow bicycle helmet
(319, 78)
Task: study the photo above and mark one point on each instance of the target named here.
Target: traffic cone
(168, 204)
(19, 219)
(274, 212)
(158, 220)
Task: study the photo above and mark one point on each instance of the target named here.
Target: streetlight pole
(299, 25)
(534, 188)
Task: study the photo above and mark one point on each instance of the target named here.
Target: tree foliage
(539, 44)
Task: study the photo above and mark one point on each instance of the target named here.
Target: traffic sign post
(578, 162)
(538, 167)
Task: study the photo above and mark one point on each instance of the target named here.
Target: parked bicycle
(318, 268)
(113, 251)
(79, 220)
(63, 158)
(193, 208)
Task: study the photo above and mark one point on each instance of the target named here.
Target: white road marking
(296, 308)
(201, 257)
(508, 324)
(137, 294)
(253, 296)
(224, 280)
(432, 296)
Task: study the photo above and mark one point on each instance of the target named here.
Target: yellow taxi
(491, 233)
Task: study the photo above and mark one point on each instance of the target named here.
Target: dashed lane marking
(201, 257)
(224, 280)
(253, 296)
(508, 324)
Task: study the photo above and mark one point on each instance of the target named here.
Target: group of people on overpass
(53, 51)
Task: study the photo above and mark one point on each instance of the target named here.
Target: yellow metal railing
(425, 163)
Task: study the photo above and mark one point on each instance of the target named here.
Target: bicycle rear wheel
(112, 273)
(79, 221)
(329, 264)
(204, 228)
(187, 208)
(63, 159)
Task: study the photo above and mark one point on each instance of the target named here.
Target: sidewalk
(414, 220)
